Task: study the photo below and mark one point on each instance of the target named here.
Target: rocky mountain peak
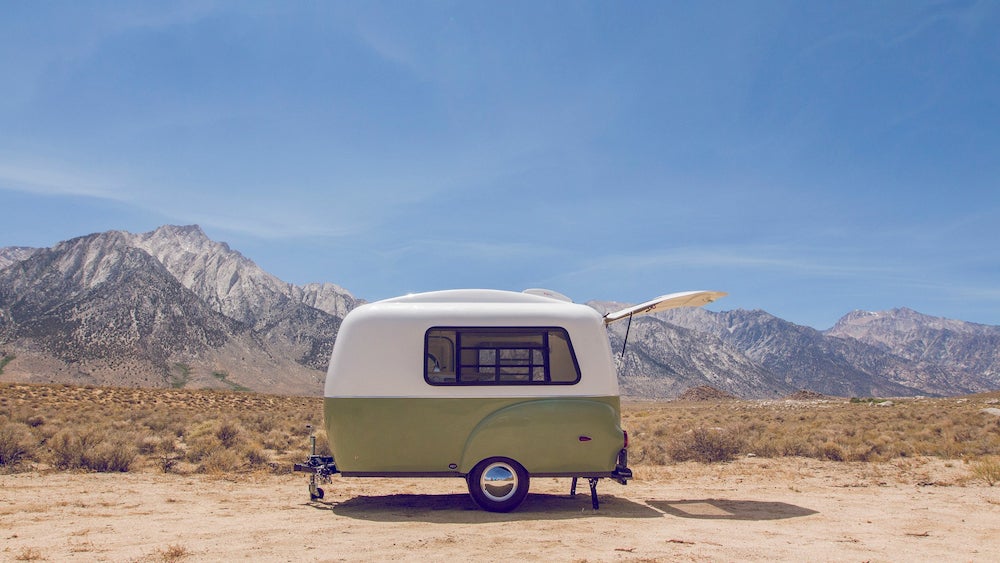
(877, 325)
(12, 254)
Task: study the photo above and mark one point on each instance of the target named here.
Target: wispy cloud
(265, 220)
(791, 260)
(50, 180)
(480, 251)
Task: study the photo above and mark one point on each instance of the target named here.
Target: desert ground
(749, 509)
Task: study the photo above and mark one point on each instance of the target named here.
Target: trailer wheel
(498, 484)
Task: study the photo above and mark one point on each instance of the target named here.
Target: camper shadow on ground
(722, 509)
(459, 508)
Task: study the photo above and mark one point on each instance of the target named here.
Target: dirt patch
(756, 509)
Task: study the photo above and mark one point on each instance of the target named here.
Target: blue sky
(810, 158)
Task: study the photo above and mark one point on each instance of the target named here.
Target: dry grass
(216, 432)
(831, 429)
(170, 430)
(987, 469)
(173, 552)
(28, 554)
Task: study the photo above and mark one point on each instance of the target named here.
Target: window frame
(544, 332)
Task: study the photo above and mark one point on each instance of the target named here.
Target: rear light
(625, 432)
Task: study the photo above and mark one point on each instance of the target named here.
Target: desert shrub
(256, 457)
(92, 449)
(109, 456)
(220, 461)
(16, 443)
(262, 423)
(653, 453)
(148, 444)
(832, 451)
(173, 552)
(35, 420)
(69, 446)
(277, 440)
(202, 446)
(987, 469)
(171, 422)
(228, 433)
(708, 445)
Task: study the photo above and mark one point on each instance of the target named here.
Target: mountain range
(173, 308)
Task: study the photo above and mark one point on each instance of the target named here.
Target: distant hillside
(903, 355)
(165, 308)
(172, 307)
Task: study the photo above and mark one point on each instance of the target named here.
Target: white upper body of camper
(380, 349)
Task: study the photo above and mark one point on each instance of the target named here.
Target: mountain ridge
(172, 307)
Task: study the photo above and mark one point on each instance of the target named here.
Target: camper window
(499, 356)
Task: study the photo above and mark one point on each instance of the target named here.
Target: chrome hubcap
(499, 481)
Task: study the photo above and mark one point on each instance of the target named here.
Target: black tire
(498, 484)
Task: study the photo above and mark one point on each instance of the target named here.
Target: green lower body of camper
(448, 437)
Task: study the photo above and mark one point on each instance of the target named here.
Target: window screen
(499, 356)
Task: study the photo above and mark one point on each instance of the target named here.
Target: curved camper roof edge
(477, 296)
(379, 351)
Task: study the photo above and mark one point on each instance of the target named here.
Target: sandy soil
(754, 509)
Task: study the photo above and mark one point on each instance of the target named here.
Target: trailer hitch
(622, 473)
(321, 467)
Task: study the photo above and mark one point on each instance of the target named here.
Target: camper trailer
(491, 386)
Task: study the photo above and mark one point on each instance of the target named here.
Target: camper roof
(481, 296)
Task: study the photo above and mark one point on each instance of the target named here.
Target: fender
(549, 436)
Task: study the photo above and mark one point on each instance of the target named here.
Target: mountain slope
(12, 254)
(664, 360)
(942, 354)
(240, 289)
(97, 309)
(824, 362)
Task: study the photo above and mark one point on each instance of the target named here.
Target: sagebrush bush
(833, 451)
(16, 443)
(987, 469)
(69, 446)
(229, 433)
(201, 446)
(220, 461)
(708, 445)
(256, 457)
(112, 455)
(93, 449)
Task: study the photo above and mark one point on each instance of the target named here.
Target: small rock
(992, 410)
